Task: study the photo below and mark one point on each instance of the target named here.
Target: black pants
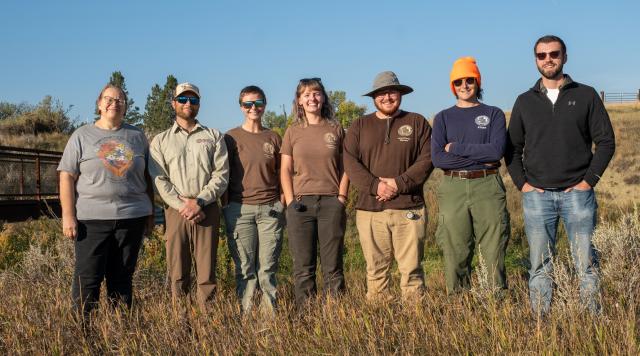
(320, 227)
(105, 249)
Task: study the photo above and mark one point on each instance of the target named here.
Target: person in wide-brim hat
(386, 157)
(387, 80)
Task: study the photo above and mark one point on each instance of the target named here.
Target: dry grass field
(36, 265)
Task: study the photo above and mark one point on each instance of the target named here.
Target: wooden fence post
(602, 95)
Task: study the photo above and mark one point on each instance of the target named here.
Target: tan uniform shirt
(317, 158)
(254, 162)
(189, 164)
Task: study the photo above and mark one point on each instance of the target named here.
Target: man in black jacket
(553, 126)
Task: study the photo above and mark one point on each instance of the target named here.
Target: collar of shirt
(567, 81)
(177, 128)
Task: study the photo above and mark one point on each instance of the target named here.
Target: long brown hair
(299, 117)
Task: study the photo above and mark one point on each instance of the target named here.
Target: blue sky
(68, 49)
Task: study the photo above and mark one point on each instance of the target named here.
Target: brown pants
(388, 234)
(187, 240)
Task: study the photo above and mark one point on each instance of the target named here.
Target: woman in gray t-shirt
(106, 197)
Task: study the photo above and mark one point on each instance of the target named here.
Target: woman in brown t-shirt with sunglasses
(315, 190)
(254, 212)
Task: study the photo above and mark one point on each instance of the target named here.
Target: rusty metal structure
(29, 183)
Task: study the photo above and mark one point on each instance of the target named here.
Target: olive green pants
(473, 212)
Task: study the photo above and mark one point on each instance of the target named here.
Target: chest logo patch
(571, 103)
(331, 140)
(482, 121)
(268, 149)
(404, 132)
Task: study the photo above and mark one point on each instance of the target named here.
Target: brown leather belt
(471, 174)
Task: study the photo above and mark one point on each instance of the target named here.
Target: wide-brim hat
(185, 87)
(388, 80)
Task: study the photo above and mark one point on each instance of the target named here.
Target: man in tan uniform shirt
(190, 172)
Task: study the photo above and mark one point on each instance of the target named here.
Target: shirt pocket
(204, 155)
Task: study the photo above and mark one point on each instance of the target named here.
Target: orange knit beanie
(464, 67)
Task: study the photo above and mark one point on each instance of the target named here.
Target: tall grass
(36, 314)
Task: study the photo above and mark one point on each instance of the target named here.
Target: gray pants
(255, 241)
(320, 227)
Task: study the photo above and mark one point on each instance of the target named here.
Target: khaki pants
(187, 240)
(388, 234)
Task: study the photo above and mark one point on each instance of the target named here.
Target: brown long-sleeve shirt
(398, 147)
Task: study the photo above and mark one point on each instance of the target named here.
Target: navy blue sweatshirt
(550, 145)
(477, 135)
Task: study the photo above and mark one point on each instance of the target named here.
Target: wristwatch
(200, 202)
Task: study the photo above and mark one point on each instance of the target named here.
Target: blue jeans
(542, 211)
(255, 242)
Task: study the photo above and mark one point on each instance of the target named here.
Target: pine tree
(159, 114)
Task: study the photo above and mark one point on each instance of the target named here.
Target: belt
(471, 174)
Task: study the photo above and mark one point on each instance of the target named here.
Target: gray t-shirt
(110, 166)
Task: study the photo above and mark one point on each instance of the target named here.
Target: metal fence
(620, 97)
(28, 183)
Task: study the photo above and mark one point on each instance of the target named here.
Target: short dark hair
(549, 39)
(251, 89)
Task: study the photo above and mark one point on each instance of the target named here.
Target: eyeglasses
(543, 55)
(308, 80)
(191, 99)
(469, 81)
(109, 100)
(249, 104)
(390, 93)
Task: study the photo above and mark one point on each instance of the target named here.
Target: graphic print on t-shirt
(116, 155)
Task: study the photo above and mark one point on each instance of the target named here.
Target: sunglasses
(543, 55)
(469, 81)
(309, 80)
(191, 99)
(249, 104)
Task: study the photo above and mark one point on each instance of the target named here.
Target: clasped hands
(387, 189)
(191, 210)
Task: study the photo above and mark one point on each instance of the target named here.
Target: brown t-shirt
(398, 148)
(254, 164)
(317, 158)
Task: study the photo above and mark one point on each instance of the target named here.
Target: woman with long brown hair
(315, 189)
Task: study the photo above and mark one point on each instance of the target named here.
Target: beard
(393, 110)
(552, 73)
(185, 116)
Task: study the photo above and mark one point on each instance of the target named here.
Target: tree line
(50, 115)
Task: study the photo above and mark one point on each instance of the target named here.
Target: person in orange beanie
(468, 142)
(465, 67)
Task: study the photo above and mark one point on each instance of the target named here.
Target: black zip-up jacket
(549, 145)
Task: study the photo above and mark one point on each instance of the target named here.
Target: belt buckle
(463, 174)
